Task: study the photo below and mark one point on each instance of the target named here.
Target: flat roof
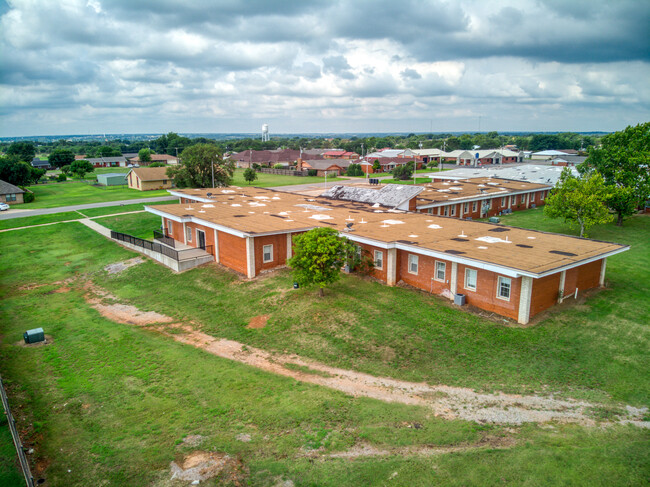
(513, 251)
(534, 173)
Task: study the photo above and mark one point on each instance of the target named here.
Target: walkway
(19, 213)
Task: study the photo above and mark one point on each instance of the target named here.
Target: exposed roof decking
(254, 211)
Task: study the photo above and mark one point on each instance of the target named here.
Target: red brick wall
(485, 296)
(426, 270)
(279, 243)
(177, 230)
(588, 275)
(545, 293)
(378, 273)
(232, 252)
(209, 235)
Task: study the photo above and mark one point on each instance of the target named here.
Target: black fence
(177, 255)
(164, 239)
(24, 464)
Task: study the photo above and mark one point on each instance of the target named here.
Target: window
(445, 210)
(473, 206)
(523, 198)
(188, 234)
(440, 271)
(541, 195)
(10, 197)
(470, 279)
(489, 203)
(503, 201)
(413, 264)
(466, 207)
(170, 227)
(510, 201)
(503, 288)
(379, 259)
(267, 253)
(430, 211)
(164, 181)
(453, 210)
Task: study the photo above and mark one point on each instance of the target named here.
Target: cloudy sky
(99, 66)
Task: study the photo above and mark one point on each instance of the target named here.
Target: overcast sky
(95, 66)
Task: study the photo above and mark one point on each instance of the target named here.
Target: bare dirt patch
(48, 341)
(258, 322)
(445, 401)
(192, 440)
(122, 266)
(202, 465)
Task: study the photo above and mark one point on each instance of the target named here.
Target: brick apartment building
(513, 272)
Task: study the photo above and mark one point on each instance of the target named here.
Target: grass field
(39, 219)
(268, 180)
(112, 402)
(78, 193)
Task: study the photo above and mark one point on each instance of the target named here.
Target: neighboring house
(107, 161)
(266, 158)
(148, 178)
(568, 160)
(10, 194)
(513, 272)
(340, 154)
(164, 158)
(546, 155)
(40, 164)
(111, 179)
(542, 174)
(481, 157)
(333, 167)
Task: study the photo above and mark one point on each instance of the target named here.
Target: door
(200, 239)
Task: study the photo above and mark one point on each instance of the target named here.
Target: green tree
(157, 164)
(376, 166)
(250, 175)
(80, 168)
(318, 257)
(354, 170)
(108, 151)
(25, 151)
(579, 201)
(61, 157)
(144, 155)
(196, 168)
(16, 172)
(67, 170)
(404, 172)
(623, 160)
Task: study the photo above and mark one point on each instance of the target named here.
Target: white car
(4, 206)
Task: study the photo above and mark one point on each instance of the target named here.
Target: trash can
(459, 299)
(34, 336)
(296, 285)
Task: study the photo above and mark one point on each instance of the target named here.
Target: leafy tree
(61, 177)
(579, 200)
(36, 174)
(198, 162)
(108, 151)
(354, 170)
(250, 175)
(80, 168)
(61, 157)
(67, 170)
(144, 155)
(403, 172)
(318, 257)
(17, 172)
(376, 166)
(25, 151)
(623, 161)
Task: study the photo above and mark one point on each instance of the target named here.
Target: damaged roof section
(389, 195)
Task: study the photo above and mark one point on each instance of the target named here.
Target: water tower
(265, 132)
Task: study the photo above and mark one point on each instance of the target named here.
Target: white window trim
(499, 288)
(413, 259)
(170, 227)
(466, 208)
(264, 259)
(197, 237)
(503, 201)
(474, 206)
(453, 210)
(465, 285)
(188, 233)
(381, 259)
(444, 269)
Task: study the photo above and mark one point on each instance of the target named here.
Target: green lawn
(39, 219)
(139, 225)
(268, 180)
(112, 401)
(78, 193)
(110, 210)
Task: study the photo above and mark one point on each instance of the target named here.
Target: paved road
(17, 213)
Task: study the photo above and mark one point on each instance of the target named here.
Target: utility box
(34, 336)
(459, 299)
(494, 219)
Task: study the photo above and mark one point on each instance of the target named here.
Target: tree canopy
(624, 162)
(250, 175)
(19, 173)
(61, 157)
(318, 257)
(196, 168)
(579, 201)
(80, 168)
(144, 155)
(25, 151)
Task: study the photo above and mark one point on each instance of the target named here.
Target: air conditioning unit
(533, 205)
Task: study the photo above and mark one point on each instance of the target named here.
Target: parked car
(4, 206)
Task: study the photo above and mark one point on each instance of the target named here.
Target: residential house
(164, 158)
(40, 164)
(333, 167)
(11, 194)
(108, 161)
(148, 178)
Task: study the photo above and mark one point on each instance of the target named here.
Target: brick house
(513, 272)
(334, 167)
(10, 194)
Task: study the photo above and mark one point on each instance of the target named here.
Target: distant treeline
(174, 144)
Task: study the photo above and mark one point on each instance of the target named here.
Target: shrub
(256, 166)
(403, 172)
(61, 177)
(354, 170)
(28, 197)
(157, 164)
(278, 166)
(312, 172)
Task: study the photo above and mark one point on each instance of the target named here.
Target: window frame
(466, 283)
(466, 208)
(413, 259)
(444, 271)
(10, 197)
(188, 234)
(474, 206)
(170, 227)
(264, 252)
(453, 210)
(379, 253)
(500, 281)
(503, 201)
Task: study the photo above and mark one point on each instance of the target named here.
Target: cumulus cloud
(322, 65)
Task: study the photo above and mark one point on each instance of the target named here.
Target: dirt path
(446, 401)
